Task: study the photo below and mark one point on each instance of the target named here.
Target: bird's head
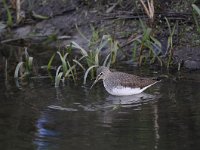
(102, 72)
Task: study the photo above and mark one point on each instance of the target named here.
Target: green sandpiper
(121, 84)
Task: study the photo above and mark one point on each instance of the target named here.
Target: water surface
(39, 116)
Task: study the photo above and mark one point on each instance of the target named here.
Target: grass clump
(148, 49)
(93, 57)
(67, 68)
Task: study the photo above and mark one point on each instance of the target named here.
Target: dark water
(72, 117)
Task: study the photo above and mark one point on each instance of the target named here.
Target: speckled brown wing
(143, 82)
(128, 80)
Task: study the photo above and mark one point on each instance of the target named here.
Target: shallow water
(39, 116)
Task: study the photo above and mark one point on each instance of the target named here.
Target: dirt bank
(57, 23)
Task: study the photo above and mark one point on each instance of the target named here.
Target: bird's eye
(101, 74)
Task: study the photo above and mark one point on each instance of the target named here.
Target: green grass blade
(156, 46)
(9, 16)
(173, 30)
(70, 70)
(160, 60)
(50, 62)
(17, 69)
(135, 46)
(170, 42)
(64, 63)
(58, 76)
(156, 41)
(114, 49)
(78, 63)
(26, 53)
(105, 63)
(169, 39)
(196, 21)
(96, 59)
(65, 56)
(141, 59)
(30, 63)
(169, 27)
(104, 41)
(58, 79)
(58, 70)
(142, 25)
(81, 33)
(86, 73)
(38, 16)
(152, 60)
(83, 51)
(139, 41)
(196, 8)
(146, 34)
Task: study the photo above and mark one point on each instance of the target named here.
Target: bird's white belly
(120, 91)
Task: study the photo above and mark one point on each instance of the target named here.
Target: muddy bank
(56, 23)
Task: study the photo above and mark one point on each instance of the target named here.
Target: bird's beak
(97, 79)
